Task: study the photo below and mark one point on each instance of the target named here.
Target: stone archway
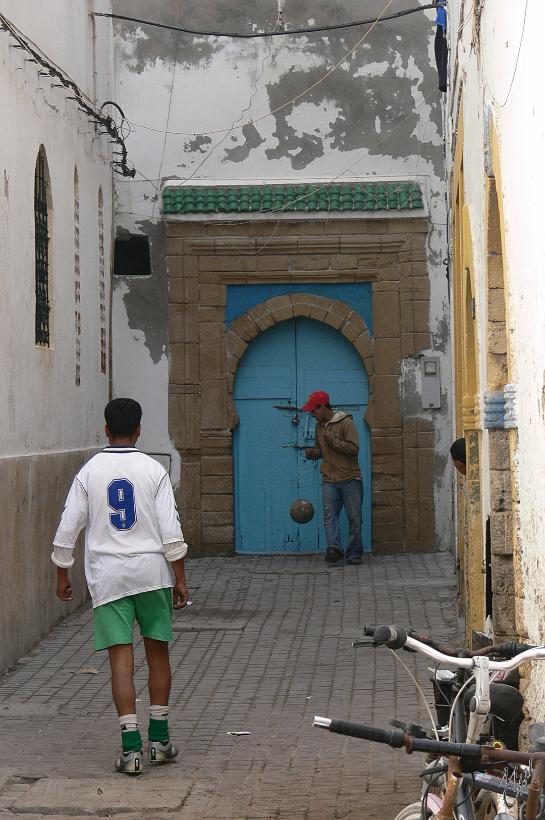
(331, 312)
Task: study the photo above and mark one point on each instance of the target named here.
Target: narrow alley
(272, 290)
(265, 646)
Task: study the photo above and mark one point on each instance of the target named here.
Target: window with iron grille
(41, 248)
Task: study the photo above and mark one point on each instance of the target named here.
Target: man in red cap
(337, 444)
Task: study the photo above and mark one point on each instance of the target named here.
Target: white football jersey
(124, 500)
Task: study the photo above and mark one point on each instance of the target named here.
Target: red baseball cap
(315, 400)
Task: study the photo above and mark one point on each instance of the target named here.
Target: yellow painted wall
(470, 532)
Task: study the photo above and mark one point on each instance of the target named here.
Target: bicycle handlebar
(507, 649)
(468, 752)
(369, 632)
(396, 637)
(397, 739)
(391, 737)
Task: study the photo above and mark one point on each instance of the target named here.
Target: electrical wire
(455, 702)
(94, 113)
(225, 136)
(419, 690)
(429, 786)
(255, 35)
(220, 226)
(247, 108)
(456, 699)
(167, 121)
(467, 18)
(282, 209)
(283, 105)
(504, 103)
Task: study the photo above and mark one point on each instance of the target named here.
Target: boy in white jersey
(124, 500)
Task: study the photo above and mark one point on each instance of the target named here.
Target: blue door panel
(278, 371)
(252, 385)
(347, 383)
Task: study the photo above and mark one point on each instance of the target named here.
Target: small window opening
(132, 256)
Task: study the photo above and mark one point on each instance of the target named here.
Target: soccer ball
(302, 511)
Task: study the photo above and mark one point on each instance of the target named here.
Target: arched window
(42, 207)
(77, 280)
(102, 282)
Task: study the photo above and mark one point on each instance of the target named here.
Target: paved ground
(265, 646)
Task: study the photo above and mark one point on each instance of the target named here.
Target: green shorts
(114, 622)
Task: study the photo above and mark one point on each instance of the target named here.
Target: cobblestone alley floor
(265, 646)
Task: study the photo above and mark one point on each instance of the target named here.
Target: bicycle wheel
(414, 811)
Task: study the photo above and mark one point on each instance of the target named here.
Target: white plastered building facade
(497, 136)
(54, 387)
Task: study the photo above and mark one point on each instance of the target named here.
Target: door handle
(291, 407)
(295, 446)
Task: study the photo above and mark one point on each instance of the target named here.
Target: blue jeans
(349, 495)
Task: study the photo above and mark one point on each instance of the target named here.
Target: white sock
(128, 723)
(158, 712)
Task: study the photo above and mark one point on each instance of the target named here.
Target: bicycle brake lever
(357, 644)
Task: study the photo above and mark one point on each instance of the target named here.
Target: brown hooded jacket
(337, 443)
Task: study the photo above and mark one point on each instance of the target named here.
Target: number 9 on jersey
(121, 499)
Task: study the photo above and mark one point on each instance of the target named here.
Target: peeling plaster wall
(507, 79)
(378, 114)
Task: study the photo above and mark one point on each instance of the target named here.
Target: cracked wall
(377, 113)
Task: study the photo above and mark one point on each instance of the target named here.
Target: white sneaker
(162, 752)
(130, 763)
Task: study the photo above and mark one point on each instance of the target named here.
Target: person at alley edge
(337, 444)
(124, 499)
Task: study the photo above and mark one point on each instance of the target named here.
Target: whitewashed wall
(40, 405)
(49, 425)
(508, 80)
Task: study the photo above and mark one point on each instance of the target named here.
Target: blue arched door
(278, 371)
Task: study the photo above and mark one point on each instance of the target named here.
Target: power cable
(219, 226)
(419, 690)
(85, 105)
(255, 35)
(245, 110)
(283, 105)
(504, 103)
(167, 123)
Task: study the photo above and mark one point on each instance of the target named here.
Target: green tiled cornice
(369, 196)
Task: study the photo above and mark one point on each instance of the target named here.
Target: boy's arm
(174, 545)
(349, 443)
(73, 520)
(314, 453)
(180, 593)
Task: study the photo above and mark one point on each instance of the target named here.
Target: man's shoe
(162, 752)
(130, 763)
(356, 560)
(333, 554)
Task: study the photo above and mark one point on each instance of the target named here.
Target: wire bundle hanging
(105, 122)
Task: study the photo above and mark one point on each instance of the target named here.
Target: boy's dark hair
(458, 450)
(122, 417)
